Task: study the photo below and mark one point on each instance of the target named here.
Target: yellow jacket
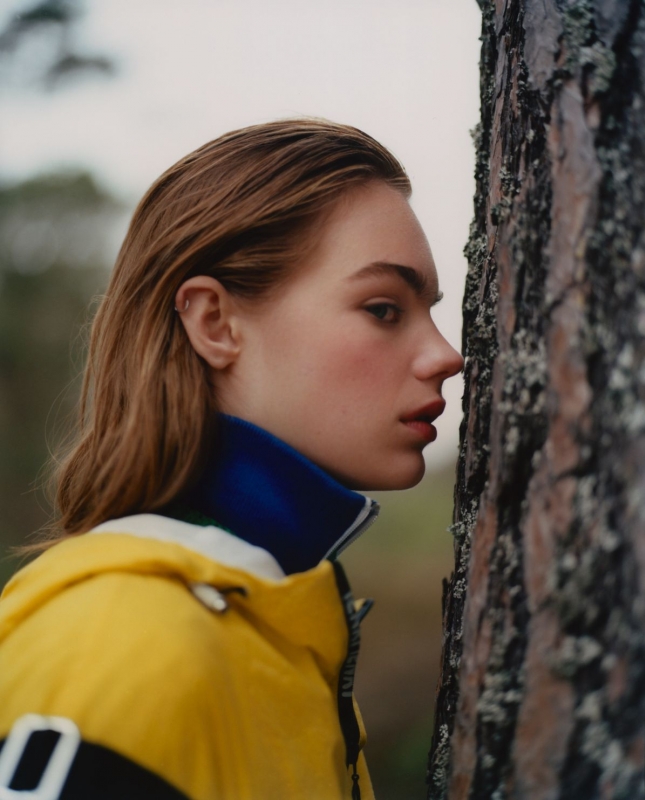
(189, 664)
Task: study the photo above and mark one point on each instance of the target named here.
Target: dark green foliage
(52, 262)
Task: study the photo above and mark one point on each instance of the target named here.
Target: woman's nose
(439, 358)
(455, 361)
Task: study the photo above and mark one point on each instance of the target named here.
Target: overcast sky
(405, 71)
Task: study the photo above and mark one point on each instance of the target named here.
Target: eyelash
(398, 311)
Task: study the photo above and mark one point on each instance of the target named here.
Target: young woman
(264, 353)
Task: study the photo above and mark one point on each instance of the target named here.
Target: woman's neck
(261, 489)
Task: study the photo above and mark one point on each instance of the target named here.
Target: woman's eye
(386, 312)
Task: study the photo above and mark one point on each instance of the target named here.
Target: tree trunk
(542, 692)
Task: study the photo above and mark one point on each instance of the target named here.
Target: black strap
(97, 773)
(346, 712)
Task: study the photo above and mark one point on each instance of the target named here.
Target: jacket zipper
(346, 712)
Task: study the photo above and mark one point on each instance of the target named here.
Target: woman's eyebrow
(415, 279)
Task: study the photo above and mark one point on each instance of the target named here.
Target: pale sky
(405, 71)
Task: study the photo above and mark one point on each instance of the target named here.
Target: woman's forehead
(374, 232)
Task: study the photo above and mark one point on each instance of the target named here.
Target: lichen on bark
(543, 670)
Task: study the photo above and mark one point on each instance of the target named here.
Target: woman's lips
(426, 430)
(420, 421)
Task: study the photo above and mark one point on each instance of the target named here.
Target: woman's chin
(407, 482)
(396, 476)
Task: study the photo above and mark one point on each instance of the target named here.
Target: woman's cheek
(354, 364)
(373, 349)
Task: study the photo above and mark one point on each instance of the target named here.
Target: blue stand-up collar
(269, 494)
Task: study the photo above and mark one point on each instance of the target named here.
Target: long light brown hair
(244, 209)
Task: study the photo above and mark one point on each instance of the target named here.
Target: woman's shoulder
(133, 655)
(117, 616)
(104, 598)
(131, 613)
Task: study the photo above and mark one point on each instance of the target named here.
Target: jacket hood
(153, 545)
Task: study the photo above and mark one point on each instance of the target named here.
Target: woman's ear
(209, 316)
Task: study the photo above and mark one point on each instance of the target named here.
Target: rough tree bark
(542, 693)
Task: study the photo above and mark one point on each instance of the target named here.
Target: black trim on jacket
(97, 773)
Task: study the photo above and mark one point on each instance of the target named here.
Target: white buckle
(58, 766)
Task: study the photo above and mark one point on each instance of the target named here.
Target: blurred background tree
(54, 237)
(38, 45)
(52, 262)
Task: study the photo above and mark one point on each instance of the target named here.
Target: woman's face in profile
(347, 352)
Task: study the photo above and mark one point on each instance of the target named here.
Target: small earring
(184, 308)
